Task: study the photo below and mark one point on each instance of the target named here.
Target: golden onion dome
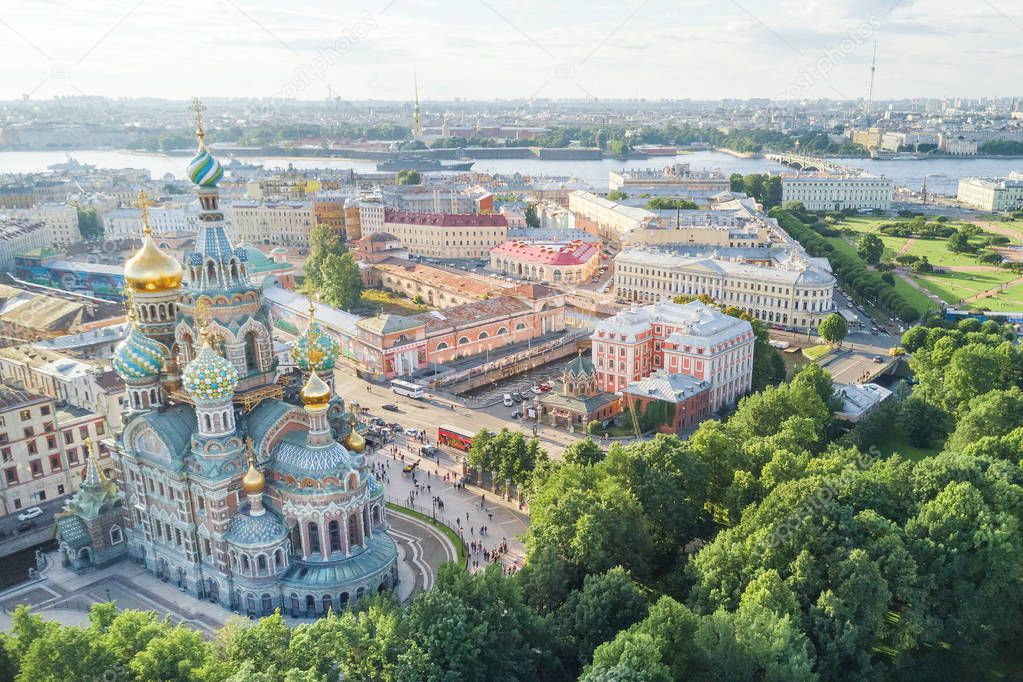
(316, 392)
(354, 441)
(253, 481)
(151, 269)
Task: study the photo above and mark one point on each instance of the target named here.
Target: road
(10, 523)
(429, 413)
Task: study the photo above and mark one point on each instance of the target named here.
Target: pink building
(574, 261)
(694, 339)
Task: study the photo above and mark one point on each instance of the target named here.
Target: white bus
(406, 388)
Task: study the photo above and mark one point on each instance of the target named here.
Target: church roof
(580, 367)
(293, 456)
(378, 556)
(72, 530)
(586, 404)
(175, 426)
(255, 531)
(263, 416)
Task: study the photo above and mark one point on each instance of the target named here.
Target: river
(942, 173)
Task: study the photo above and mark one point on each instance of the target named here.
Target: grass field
(954, 286)
(913, 296)
(816, 353)
(895, 442)
(389, 303)
(938, 254)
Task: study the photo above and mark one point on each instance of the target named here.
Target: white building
(371, 214)
(794, 294)
(828, 192)
(694, 339)
(20, 236)
(61, 219)
(607, 219)
(78, 383)
(126, 223)
(859, 400)
(992, 194)
(283, 223)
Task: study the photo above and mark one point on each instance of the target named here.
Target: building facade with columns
(229, 487)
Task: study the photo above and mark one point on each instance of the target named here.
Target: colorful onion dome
(138, 358)
(150, 269)
(204, 169)
(315, 350)
(209, 377)
(316, 392)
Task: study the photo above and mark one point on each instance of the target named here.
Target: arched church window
(334, 531)
(314, 538)
(251, 351)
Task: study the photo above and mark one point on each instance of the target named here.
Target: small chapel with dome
(223, 487)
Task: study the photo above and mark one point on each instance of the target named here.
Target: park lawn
(953, 286)
(389, 303)
(895, 441)
(1008, 301)
(938, 254)
(913, 296)
(816, 353)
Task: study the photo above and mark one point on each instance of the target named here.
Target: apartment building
(126, 223)
(20, 236)
(276, 223)
(607, 219)
(60, 219)
(693, 339)
(793, 294)
(990, 194)
(42, 448)
(444, 235)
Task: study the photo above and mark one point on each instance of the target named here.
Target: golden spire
(93, 474)
(312, 310)
(202, 313)
(253, 482)
(144, 204)
(198, 108)
(316, 392)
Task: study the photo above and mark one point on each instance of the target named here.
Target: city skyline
(784, 51)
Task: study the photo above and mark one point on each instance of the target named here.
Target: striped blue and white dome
(204, 169)
(138, 357)
(209, 377)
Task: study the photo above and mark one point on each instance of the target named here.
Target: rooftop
(445, 219)
(793, 271)
(573, 253)
(672, 388)
(472, 313)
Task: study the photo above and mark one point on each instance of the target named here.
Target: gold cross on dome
(144, 203)
(198, 108)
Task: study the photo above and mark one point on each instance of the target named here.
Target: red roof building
(574, 261)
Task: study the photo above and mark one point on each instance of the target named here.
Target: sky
(490, 49)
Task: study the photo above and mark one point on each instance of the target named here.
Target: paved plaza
(64, 595)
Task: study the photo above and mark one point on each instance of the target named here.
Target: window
(72, 455)
(11, 474)
(55, 463)
(83, 432)
(25, 415)
(51, 443)
(6, 453)
(69, 438)
(32, 449)
(29, 431)
(44, 410)
(60, 489)
(99, 428)
(36, 467)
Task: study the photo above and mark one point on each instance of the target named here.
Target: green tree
(89, 224)
(617, 195)
(65, 653)
(833, 329)
(408, 177)
(532, 220)
(922, 422)
(176, 654)
(324, 240)
(585, 452)
(342, 283)
(870, 248)
(608, 602)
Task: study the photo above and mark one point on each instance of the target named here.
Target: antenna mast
(870, 88)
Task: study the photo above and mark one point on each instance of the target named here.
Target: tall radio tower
(870, 87)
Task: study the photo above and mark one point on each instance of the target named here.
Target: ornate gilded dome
(354, 440)
(316, 392)
(209, 376)
(204, 169)
(315, 350)
(138, 358)
(253, 482)
(150, 269)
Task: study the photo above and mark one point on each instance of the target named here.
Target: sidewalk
(462, 510)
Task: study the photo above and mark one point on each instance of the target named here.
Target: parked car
(878, 359)
(391, 407)
(411, 432)
(507, 400)
(377, 421)
(515, 415)
(517, 397)
(536, 389)
(30, 513)
(396, 427)
(429, 451)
